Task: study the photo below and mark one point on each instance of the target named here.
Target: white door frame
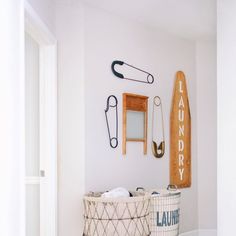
(48, 119)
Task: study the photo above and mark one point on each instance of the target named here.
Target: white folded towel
(117, 192)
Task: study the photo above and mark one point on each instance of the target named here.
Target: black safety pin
(113, 140)
(150, 77)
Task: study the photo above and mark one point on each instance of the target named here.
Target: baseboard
(190, 233)
(201, 232)
(207, 232)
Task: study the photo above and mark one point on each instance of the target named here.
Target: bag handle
(140, 188)
(172, 187)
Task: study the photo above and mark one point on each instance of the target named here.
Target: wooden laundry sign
(180, 135)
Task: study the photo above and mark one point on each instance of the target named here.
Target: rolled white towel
(117, 192)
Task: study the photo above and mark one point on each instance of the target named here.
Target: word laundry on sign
(180, 135)
(181, 132)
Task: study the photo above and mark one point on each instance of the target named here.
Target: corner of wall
(206, 132)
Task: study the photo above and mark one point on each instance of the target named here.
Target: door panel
(32, 136)
(32, 210)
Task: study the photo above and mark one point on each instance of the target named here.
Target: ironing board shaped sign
(180, 135)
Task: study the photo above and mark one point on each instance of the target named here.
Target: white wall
(107, 38)
(69, 32)
(162, 55)
(207, 133)
(12, 118)
(226, 82)
(104, 38)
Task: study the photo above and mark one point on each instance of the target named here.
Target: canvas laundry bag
(165, 212)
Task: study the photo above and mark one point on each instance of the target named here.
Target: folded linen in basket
(117, 192)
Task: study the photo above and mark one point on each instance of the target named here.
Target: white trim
(207, 232)
(32, 180)
(190, 233)
(201, 232)
(48, 138)
(48, 119)
(36, 27)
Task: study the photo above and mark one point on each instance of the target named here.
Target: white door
(40, 137)
(32, 136)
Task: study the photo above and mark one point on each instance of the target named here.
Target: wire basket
(116, 216)
(165, 212)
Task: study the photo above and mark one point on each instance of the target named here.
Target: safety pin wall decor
(112, 139)
(149, 78)
(158, 150)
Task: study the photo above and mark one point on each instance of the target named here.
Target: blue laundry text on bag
(167, 218)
